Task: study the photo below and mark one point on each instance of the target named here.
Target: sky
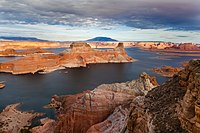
(124, 20)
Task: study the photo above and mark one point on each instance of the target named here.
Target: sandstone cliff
(171, 107)
(184, 47)
(12, 52)
(80, 55)
(104, 109)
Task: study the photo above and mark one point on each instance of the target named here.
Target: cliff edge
(171, 107)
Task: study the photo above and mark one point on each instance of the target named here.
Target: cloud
(142, 14)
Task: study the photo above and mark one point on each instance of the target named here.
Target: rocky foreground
(12, 52)
(136, 106)
(13, 121)
(104, 109)
(133, 107)
(80, 55)
(171, 107)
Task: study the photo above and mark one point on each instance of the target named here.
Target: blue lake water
(35, 90)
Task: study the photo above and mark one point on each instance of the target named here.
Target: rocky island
(12, 52)
(137, 106)
(167, 71)
(2, 85)
(80, 55)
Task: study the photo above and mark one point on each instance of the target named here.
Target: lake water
(35, 91)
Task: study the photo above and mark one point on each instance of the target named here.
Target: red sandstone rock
(12, 52)
(167, 71)
(93, 110)
(2, 85)
(80, 55)
(184, 47)
(48, 126)
(13, 121)
(171, 107)
(23, 45)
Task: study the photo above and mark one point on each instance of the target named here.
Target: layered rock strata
(171, 107)
(104, 109)
(80, 55)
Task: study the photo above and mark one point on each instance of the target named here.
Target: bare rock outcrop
(104, 109)
(80, 55)
(13, 121)
(2, 85)
(167, 71)
(185, 47)
(12, 52)
(47, 126)
(171, 107)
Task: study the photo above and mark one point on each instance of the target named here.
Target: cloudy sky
(124, 20)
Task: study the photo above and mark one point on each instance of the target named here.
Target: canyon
(137, 106)
(80, 55)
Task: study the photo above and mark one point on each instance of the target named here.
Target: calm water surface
(35, 91)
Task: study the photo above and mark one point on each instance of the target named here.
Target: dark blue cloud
(142, 14)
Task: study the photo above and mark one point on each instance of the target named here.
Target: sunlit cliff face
(127, 20)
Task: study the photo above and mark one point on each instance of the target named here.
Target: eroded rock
(80, 55)
(167, 71)
(171, 107)
(104, 109)
(13, 121)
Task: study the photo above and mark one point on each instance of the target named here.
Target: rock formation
(80, 55)
(104, 109)
(2, 85)
(171, 107)
(110, 44)
(184, 47)
(13, 120)
(22, 45)
(12, 52)
(167, 71)
(47, 126)
(153, 45)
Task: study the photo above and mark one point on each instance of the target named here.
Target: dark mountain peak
(102, 39)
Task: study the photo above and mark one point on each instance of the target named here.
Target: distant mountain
(102, 39)
(21, 38)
